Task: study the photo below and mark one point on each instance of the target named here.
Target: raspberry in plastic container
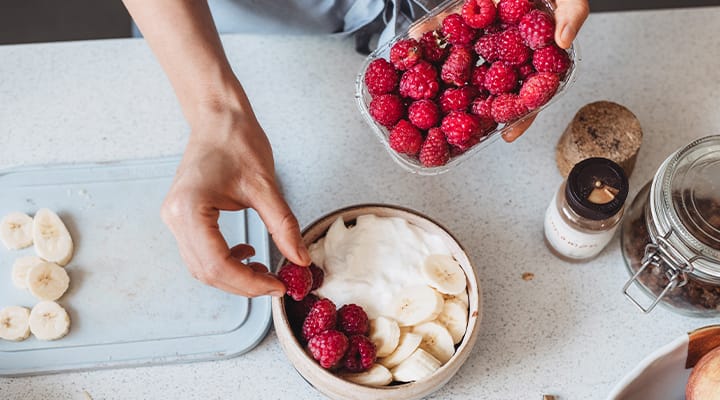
(433, 23)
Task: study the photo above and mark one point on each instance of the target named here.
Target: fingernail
(567, 35)
(303, 254)
(277, 294)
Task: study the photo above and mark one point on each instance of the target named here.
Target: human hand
(569, 17)
(228, 165)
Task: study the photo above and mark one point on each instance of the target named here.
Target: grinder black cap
(593, 174)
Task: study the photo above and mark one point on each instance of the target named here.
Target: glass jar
(671, 233)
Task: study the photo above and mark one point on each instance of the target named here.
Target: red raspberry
(387, 109)
(478, 13)
(435, 150)
(405, 53)
(500, 78)
(381, 77)
(525, 70)
(297, 280)
(434, 48)
(537, 29)
(297, 311)
(456, 31)
(420, 82)
(457, 99)
(459, 127)
(318, 276)
(328, 348)
(360, 355)
(352, 320)
(551, 59)
(487, 47)
(507, 107)
(405, 138)
(424, 114)
(457, 67)
(511, 47)
(478, 76)
(482, 107)
(321, 317)
(512, 11)
(538, 89)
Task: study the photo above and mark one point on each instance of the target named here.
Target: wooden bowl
(334, 386)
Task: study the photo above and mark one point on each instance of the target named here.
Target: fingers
(282, 225)
(569, 17)
(209, 259)
(221, 269)
(242, 251)
(514, 133)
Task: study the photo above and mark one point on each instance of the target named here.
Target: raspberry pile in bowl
(445, 90)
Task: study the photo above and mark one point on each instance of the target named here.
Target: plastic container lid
(593, 174)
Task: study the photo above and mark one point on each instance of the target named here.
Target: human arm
(228, 162)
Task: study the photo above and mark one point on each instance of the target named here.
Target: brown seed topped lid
(600, 129)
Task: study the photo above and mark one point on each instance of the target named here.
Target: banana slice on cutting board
(47, 281)
(49, 321)
(14, 323)
(377, 375)
(20, 268)
(16, 230)
(436, 340)
(52, 239)
(416, 304)
(419, 365)
(442, 272)
(454, 317)
(385, 335)
(409, 342)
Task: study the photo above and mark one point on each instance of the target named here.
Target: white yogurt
(368, 263)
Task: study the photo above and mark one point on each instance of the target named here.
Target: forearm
(185, 41)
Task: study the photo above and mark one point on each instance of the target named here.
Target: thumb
(569, 17)
(283, 226)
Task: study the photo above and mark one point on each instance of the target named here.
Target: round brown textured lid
(606, 129)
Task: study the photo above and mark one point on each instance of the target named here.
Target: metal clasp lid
(662, 255)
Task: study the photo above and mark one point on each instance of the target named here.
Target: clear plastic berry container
(431, 21)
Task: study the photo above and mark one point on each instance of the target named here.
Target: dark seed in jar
(694, 294)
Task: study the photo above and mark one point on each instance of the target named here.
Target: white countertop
(568, 332)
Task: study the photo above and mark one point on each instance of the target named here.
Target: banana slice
(14, 323)
(419, 365)
(462, 296)
(408, 343)
(16, 230)
(416, 304)
(49, 321)
(436, 340)
(20, 268)
(47, 281)
(52, 239)
(377, 375)
(444, 274)
(385, 335)
(454, 317)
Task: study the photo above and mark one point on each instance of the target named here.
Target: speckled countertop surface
(569, 331)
